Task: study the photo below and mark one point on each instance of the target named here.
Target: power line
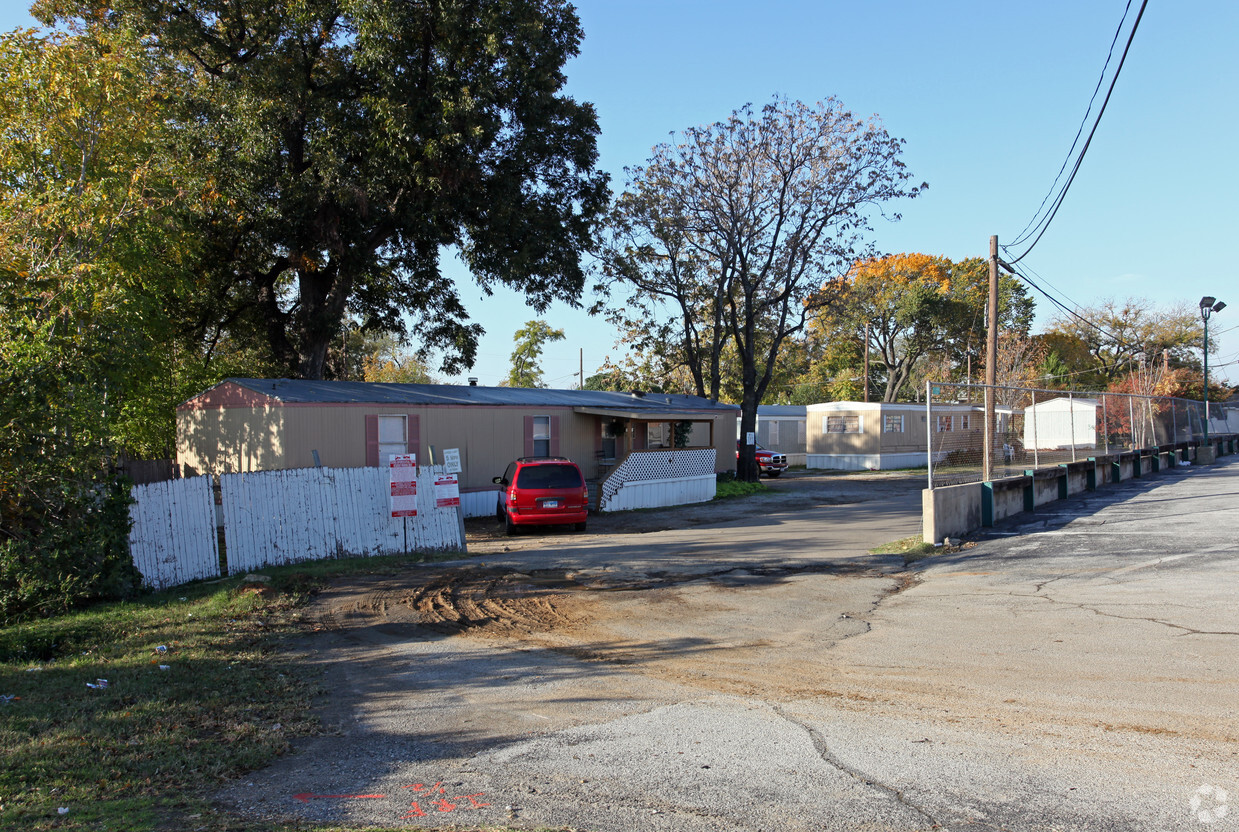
(1042, 225)
(1072, 312)
(1079, 132)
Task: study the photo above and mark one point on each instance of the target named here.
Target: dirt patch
(739, 631)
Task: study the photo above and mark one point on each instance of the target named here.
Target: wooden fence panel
(172, 538)
(278, 517)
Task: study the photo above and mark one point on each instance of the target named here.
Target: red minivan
(542, 491)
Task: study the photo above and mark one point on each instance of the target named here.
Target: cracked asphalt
(1075, 672)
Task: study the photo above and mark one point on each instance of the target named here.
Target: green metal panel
(1030, 490)
(987, 504)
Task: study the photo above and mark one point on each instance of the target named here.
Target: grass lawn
(737, 488)
(200, 688)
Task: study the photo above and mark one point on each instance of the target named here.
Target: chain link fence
(1034, 428)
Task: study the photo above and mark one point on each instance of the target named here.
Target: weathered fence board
(278, 517)
(172, 537)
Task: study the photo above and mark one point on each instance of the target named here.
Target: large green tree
(351, 142)
(920, 308)
(91, 258)
(1118, 335)
(525, 369)
(726, 235)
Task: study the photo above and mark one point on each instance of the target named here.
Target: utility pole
(991, 358)
(866, 362)
(580, 385)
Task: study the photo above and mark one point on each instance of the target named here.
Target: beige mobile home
(245, 424)
(874, 436)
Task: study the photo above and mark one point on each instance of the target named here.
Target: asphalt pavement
(1076, 671)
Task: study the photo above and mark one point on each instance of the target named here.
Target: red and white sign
(447, 491)
(403, 469)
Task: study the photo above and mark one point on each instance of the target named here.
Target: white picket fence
(278, 517)
(172, 537)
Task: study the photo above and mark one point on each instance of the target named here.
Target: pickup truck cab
(769, 463)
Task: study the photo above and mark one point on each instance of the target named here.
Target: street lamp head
(1206, 306)
(1219, 306)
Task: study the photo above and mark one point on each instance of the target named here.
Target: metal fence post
(1071, 418)
(1131, 418)
(1036, 417)
(1105, 422)
(929, 442)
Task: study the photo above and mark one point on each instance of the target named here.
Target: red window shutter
(528, 436)
(372, 441)
(414, 427)
(554, 436)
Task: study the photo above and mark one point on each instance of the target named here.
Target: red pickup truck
(769, 463)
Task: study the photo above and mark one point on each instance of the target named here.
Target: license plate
(550, 503)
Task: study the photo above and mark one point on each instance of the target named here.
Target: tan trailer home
(876, 436)
(246, 424)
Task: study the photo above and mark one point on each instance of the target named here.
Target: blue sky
(988, 97)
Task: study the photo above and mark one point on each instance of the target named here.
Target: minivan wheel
(580, 527)
(508, 526)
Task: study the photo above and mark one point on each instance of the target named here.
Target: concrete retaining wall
(1044, 491)
(955, 510)
(950, 511)
(1077, 481)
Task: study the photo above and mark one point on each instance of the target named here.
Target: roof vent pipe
(473, 382)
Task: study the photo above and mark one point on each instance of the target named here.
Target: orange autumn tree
(906, 300)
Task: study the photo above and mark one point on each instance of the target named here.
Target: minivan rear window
(549, 476)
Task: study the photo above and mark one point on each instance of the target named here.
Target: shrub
(737, 488)
(69, 551)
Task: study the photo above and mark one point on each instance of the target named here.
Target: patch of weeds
(197, 691)
(201, 688)
(737, 488)
(911, 548)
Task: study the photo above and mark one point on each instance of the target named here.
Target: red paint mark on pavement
(306, 797)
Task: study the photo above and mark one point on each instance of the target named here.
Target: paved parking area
(1078, 672)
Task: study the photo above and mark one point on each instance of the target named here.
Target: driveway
(767, 674)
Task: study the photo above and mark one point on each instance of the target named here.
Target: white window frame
(950, 423)
(889, 419)
(389, 445)
(965, 421)
(537, 437)
(846, 419)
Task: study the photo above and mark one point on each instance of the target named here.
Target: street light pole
(1208, 305)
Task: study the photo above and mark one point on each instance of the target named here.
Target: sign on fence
(403, 469)
(447, 491)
